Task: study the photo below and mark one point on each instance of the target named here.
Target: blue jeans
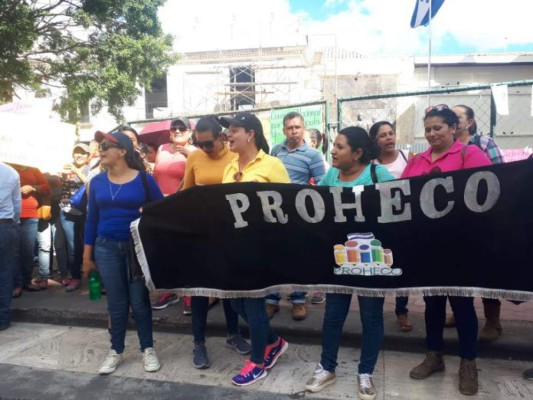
(465, 319)
(296, 298)
(253, 311)
(8, 240)
(371, 313)
(199, 308)
(111, 258)
(24, 263)
(73, 229)
(401, 305)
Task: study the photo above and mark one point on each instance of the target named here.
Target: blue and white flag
(421, 12)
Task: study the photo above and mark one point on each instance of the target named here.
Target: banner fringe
(141, 255)
(360, 291)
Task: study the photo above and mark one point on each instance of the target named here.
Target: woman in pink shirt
(445, 154)
(171, 158)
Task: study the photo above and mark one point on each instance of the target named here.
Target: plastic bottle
(94, 286)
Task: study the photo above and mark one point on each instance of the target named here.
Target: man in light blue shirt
(10, 206)
(303, 163)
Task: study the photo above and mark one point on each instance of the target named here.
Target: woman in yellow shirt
(253, 164)
(206, 168)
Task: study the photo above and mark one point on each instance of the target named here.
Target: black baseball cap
(247, 120)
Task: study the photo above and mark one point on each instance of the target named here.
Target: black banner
(465, 233)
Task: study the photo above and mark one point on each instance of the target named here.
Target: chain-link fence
(406, 111)
(315, 115)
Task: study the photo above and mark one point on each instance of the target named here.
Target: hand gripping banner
(464, 233)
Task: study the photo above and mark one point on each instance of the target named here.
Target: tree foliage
(100, 51)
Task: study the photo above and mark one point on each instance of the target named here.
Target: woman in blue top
(351, 160)
(115, 200)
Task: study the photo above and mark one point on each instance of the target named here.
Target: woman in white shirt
(382, 133)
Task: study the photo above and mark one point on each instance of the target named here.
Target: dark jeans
(487, 301)
(199, 308)
(401, 305)
(296, 298)
(111, 258)
(371, 314)
(73, 229)
(8, 240)
(465, 319)
(26, 248)
(253, 311)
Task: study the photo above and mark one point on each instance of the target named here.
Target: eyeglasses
(104, 146)
(208, 144)
(178, 128)
(438, 107)
(237, 176)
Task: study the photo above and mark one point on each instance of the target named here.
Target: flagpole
(429, 54)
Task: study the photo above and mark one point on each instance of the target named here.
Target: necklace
(113, 195)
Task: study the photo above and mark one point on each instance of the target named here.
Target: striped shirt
(489, 147)
(302, 163)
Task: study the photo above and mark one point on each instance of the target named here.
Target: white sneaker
(150, 360)
(367, 391)
(110, 363)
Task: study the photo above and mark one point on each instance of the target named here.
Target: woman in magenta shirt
(445, 154)
(171, 158)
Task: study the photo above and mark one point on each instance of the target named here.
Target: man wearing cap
(10, 206)
(303, 163)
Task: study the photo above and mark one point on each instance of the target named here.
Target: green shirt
(332, 177)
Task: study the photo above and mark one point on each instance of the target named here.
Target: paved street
(40, 361)
(58, 339)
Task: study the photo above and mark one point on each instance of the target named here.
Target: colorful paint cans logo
(363, 254)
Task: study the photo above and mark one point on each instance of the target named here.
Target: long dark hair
(259, 138)
(209, 124)
(358, 138)
(374, 129)
(442, 110)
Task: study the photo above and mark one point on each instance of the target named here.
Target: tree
(101, 52)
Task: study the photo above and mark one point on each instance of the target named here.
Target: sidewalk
(50, 362)
(54, 306)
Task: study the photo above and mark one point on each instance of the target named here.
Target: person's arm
(91, 225)
(41, 186)
(80, 173)
(493, 152)
(16, 198)
(93, 213)
(155, 192)
(318, 167)
(383, 174)
(88, 262)
(189, 179)
(278, 173)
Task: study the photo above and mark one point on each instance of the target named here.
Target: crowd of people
(83, 214)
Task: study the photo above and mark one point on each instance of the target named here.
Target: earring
(248, 140)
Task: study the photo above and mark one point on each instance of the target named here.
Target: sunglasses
(208, 144)
(237, 176)
(178, 128)
(104, 146)
(438, 107)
